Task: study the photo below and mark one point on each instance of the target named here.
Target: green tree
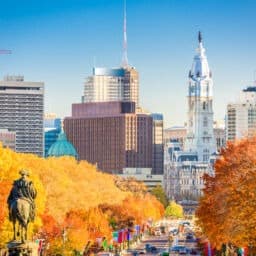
(174, 210)
(159, 193)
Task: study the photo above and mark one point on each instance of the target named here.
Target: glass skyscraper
(112, 84)
(52, 129)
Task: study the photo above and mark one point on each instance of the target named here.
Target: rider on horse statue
(22, 190)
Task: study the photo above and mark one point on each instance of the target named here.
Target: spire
(199, 37)
(200, 68)
(125, 58)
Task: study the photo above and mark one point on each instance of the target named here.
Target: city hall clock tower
(200, 136)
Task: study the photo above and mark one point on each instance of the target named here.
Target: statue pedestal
(16, 248)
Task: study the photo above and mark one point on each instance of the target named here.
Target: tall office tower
(241, 115)
(200, 137)
(158, 144)
(22, 111)
(52, 129)
(112, 84)
(111, 135)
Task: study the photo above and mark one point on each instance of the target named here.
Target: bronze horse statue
(21, 205)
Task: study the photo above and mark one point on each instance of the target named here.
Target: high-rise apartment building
(241, 115)
(111, 135)
(22, 111)
(158, 144)
(112, 84)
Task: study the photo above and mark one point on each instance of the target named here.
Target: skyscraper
(112, 84)
(22, 111)
(111, 135)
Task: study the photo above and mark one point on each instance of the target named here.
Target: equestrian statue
(21, 204)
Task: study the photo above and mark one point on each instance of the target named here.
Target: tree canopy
(226, 212)
(70, 200)
(174, 210)
(159, 193)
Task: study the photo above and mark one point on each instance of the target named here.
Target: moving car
(179, 249)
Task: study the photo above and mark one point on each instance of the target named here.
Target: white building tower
(200, 137)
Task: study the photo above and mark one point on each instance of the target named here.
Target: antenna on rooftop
(125, 58)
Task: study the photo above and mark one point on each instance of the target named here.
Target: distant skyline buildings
(83, 31)
(241, 115)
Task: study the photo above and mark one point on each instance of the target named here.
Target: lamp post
(64, 239)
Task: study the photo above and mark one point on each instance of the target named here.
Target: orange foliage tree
(70, 196)
(226, 212)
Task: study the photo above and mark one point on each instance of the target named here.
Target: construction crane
(5, 51)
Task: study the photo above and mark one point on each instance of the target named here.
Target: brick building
(111, 135)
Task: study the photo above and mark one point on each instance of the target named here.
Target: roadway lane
(160, 242)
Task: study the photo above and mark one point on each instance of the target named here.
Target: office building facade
(22, 111)
(241, 115)
(158, 144)
(111, 135)
(112, 84)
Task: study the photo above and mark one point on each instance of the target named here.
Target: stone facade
(186, 161)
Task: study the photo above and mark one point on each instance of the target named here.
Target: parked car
(153, 249)
(186, 223)
(174, 231)
(179, 249)
(189, 236)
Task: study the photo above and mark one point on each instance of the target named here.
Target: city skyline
(60, 46)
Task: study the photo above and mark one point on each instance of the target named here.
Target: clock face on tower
(191, 122)
(192, 91)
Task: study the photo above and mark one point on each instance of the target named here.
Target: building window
(205, 122)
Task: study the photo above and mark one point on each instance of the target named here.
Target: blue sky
(59, 41)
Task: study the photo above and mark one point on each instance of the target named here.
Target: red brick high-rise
(111, 135)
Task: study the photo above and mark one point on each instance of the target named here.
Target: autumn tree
(174, 210)
(226, 212)
(70, 198)
(159, 193)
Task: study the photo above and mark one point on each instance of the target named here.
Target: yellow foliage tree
(69, 196)
(174, 210)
